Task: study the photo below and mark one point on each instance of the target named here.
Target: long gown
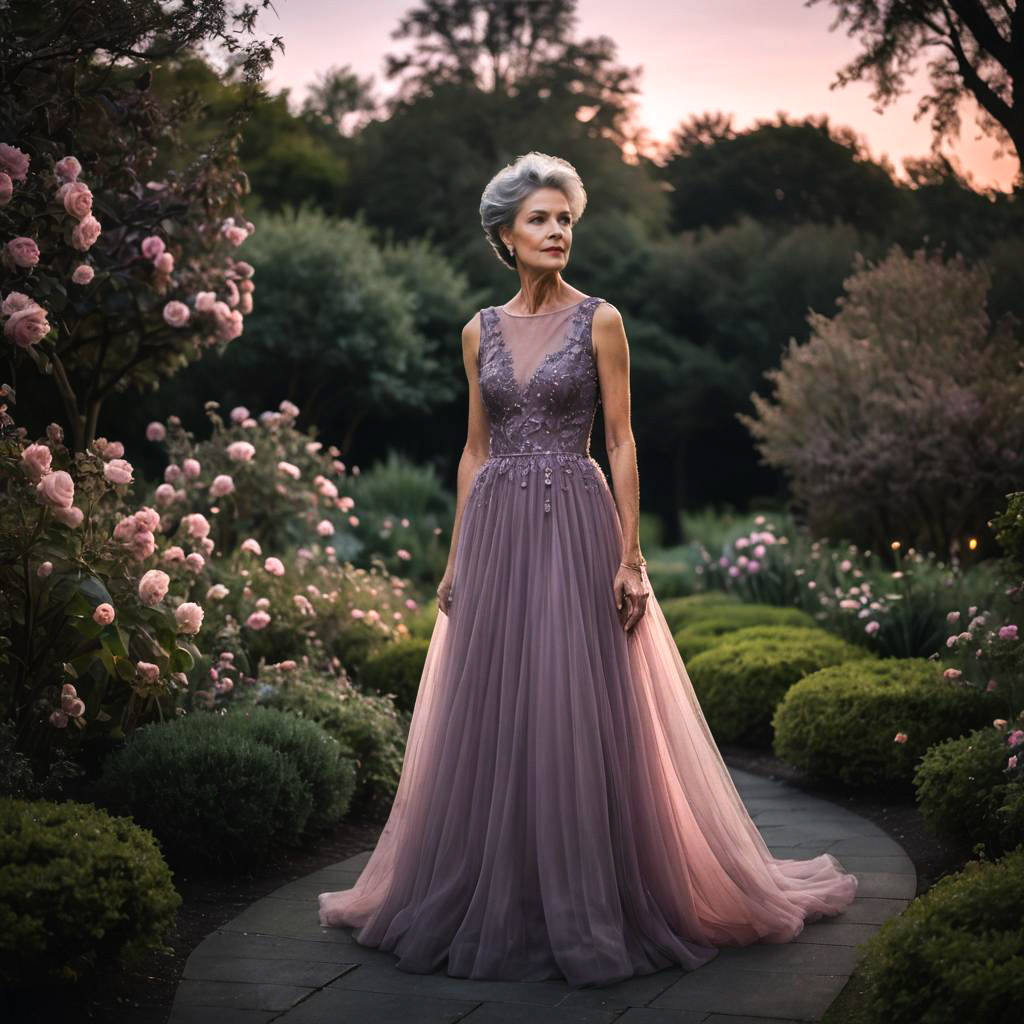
(563, 810)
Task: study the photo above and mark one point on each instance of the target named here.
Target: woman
(563, 810)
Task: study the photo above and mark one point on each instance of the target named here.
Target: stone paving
(274, 962)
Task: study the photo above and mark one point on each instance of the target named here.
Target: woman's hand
(445, 591)
(631, 590)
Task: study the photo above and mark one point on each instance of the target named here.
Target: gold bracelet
(637, 566)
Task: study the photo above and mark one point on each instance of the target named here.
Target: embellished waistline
(540, 451)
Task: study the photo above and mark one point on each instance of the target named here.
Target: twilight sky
(750, 58)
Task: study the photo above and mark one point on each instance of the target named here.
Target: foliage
(898, 418)
(137, 295)
(77, 887)
(171, 777)
(741, 679)
(969, 788)
(396, 670)
(868, 722)
(954, 954)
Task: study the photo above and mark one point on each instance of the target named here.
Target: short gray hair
(506, 191)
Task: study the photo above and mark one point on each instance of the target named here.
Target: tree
(980, 46)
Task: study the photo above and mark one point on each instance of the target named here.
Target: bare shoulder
(607, 316)
(607, 332)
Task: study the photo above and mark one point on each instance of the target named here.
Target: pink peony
(192, 468)
(117, 471)
(252, 546)
(67, 168)
(274, 566)
(148, 672)
(104, 614)
(36, 460)
(258, 620)
(240, 451)
(222, 484)
(155, 431)
(27, 326)
(85, 233)
(78, 199)
(56, 489)
(189, 617)
(71, 517)
(23, 251)
(176, 313)
(153, 587)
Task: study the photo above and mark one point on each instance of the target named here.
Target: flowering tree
(110, 279)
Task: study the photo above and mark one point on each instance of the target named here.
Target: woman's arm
(475, 451)
(611, 351)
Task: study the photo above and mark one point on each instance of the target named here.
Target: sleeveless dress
(563, 810)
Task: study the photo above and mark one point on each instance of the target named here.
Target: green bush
(77, 886)
(956, 954)
(679, 611)
(396, 669)
(172, 777)
(840, 723)
(964, 794)
(740, 680)
(368, 727)
(701, 631)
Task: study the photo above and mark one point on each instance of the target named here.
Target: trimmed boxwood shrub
(678, 611)
(369, 729)
(956, 953)
(702, 631)
(214, 790)
(840, 722)
(77, 886)
(964, 794)
(740, 680)
(396, 669)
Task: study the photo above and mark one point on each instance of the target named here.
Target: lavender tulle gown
(563, 810)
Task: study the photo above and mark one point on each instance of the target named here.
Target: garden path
(274, 962)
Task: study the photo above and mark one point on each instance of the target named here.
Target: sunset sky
(750, 58)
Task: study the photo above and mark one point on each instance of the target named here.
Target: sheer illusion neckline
(546, 312)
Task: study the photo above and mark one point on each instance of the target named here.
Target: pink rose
(175, 553)
(152, 246)
(274, 566)
(56, 489)
(258, 620)
(164, 263)
(117, 471)
(189, 617)
(36, 460)
(14, 302)
(67, 168)
(104, 614)
(72, 706)
(71, 517)
(14, 161)
(6, 188)
(148, 672)
(239, 413)
(164, 495)
(176, 313)
(196, 525)
(147, 519)
(289, 469)
(1008, 632)
(155, 431)
(153, 587)
(195, 561)
(222, 484)
(78, 199)
(143, 544)
(27, 326)
(205, 301)
(85, 233)
(44, 570)
(240, 451)
(252, 545)
(59, 719)
(23, 251)
(325, 528)
(172, 473)
(83, 274)
(207, 545)
(192, 469)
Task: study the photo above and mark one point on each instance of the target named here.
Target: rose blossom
(175, 553)
(222, 484)
(239, 413)
(240, 451)
(153, 587)
(258, 620)
(44, 570)
(197, 525)
(143, 544)
(176, 313)
(56, 489)
(6, 188)
(172, 473)
(217, 592)
(195, 561)
(72, 705)
(67, 168)
(104, 614)
(23, 251)
(164, 494)
(189, 617)
(192, 468)
(274, 566)
(117, 471)
(155, 431)
(289, 469)
(36, 460)
(27, 326)
(82, 274)
(252, 545)
(71, 517)
(325, 528)
(85, 233)
(149, 672)
(205, 301)
(59, 719)
(13, 161)
(207, 545)
(164, 263)
(152, 246)
(263, 602)
(78, 199)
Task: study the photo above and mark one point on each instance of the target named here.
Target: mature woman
(563, 810)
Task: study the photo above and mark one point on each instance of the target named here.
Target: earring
(511, 251)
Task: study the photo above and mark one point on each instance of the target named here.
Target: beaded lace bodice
(542, 420)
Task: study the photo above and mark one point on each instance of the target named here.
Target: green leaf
(113, 641)
(87, 627)
(125, 669)
(181, 660)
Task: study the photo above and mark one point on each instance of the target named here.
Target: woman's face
(542, 231)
